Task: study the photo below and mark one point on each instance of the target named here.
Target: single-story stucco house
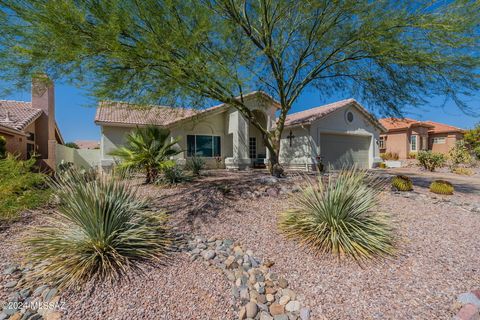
(342, 133)
(405, 136)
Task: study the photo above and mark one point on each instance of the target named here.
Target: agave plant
(101, 231)
(441, 187)
(148, 149)
(402, 183)
(338, 216)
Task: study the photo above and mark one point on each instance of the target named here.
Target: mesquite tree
(389, 54)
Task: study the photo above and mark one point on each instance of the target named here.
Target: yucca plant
(338, 216)
(148, 149)
(100, 231)
(402, 183)
(195, 165)
(172, 175)
(441, 187)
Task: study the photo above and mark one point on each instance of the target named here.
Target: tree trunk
(274, 164)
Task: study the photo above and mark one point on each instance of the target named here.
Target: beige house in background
(409, 135)
(30, 127)
(342, 133)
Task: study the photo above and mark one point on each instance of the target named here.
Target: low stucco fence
(81, 158)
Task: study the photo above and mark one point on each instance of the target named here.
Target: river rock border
(25, 303)
(259, 293)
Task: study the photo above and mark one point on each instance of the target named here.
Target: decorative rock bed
(23, 303)
(259, 293)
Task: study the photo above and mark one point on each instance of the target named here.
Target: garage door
(344, 150)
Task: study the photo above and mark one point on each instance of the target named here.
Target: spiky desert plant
(338, 216)
(402, 183)
(441, 187)
(148, 149)
(100, 231)
(195, 164)
(463, 171)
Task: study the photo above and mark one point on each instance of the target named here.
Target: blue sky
(75, 111)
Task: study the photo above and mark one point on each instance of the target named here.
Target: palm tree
(148, 149)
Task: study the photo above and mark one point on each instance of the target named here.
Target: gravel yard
(437, 257)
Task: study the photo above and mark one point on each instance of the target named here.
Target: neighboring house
(343, 133)
(30, 127)
(407, 135)
(87, 144)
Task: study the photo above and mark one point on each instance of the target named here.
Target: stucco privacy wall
(81, 158)
(336, 123)
(299, 154)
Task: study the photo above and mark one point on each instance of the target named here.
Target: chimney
(43, 98)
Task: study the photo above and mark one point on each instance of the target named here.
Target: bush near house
(441, 187)
(389, 156)
(172, 175)
(3, 147)
(431, 160)
(147, 149)
(459, 154)
(195, 165)
(101, 231)
(402, 183)
(463, 171)
(339, 217)
(20, 188)
(412, 155)
(72, 145)
(476, 152)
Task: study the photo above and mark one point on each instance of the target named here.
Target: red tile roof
(393, 124)
(87, 144)
(17, 115)
(443, 128)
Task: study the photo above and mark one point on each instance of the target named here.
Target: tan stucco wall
(300, 153)
(15, 144)
(450, 140)
(397, 142)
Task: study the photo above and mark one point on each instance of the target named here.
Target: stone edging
(259, 293)
(470, 302)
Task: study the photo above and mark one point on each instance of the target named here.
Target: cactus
(441, 187)
(402, 183)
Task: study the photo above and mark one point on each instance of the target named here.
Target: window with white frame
(438, 140)
(203, 146)
(381, 143)
(413, 142)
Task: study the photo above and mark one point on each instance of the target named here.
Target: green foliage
(100, 231)
(476, 152)
(389, 156)
(20, 188)
(3, 147)
(402, 183)
(195, 165)
(431, 160)
(72, 145)
(172, 175)
(412, 155)
(463, 171)
(441, 187)
(459, 154)
(338, 216)
(382, 165)
(472, 138)
(390, 54)
(148, 149)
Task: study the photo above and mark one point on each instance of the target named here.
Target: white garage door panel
(344, 150)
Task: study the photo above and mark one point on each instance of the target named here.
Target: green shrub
(441, 187)
(72, 145)
(195, 165)
(100, 231)
(3, 147)
(148, 149)
(476, 152)
(402, 183)
(172, 175)
(338, 216)
(412, 155)
(431, 160)
(459, 154)
(20, 187)
(463, 171)
(382, 165)
(389, 156)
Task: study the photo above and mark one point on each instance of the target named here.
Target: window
(349, 116)
(253, 148)
(30, 150)
(381, 143)
(203, 146)
(413, 143)
(438, 140)
(30, 136)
